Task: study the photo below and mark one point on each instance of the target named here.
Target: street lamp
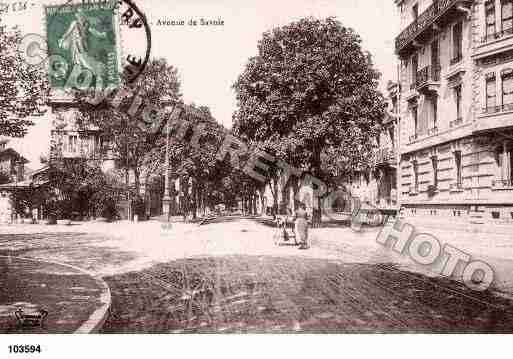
(166, 201)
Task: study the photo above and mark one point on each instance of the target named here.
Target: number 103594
(24, 348)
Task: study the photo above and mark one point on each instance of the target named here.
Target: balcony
(438, 14)
(496, 35)
(385, 156)
(428, 79)
(499, 184)
(432, 131)
(457, 59)
(493, 44)
(456, 187)
(498, 109)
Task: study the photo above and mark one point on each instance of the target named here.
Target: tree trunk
(254, 196)
(261, 195)
(274, 192)
(316, 213)
(194, 200)
(137, 181)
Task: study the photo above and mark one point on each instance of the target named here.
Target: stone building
(377, 187)
(456, 79)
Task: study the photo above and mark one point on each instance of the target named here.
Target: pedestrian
(301, 226)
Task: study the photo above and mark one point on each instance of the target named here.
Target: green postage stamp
(84, 36)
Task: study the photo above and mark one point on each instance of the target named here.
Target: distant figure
(301, 226)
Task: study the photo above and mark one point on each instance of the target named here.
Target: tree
(4, 177)
(23, 89)
(310, 97)
(129, 142)
(199, 172)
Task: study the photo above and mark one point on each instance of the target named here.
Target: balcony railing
(426, 19)
(413, 137)
(497, 35)
(501, 183)
(433, 131)
(384, 155)
(457, 186)
(497, 109)
(456, 122)
(428, 74)
(456, 59)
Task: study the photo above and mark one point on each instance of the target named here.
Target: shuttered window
(490, 19)
(507, 88)
(507, 15)
(457, 38)
(457, 95)
(491, 92)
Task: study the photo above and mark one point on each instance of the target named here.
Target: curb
(97, 319)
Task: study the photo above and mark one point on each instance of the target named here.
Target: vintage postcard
(255, 167)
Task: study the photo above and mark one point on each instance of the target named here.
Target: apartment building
(456, 77)
(377, 187)
(70, 138)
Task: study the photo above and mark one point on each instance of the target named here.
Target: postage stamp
(85, 35)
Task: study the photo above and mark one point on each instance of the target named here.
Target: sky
(210, 58)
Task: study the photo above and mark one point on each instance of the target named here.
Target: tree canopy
(310, 97)
(23, 89)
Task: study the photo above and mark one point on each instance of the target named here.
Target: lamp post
(166, 201)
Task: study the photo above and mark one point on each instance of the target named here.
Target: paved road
(230, 277)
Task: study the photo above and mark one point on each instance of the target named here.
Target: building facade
(456, 81)
(377, 187)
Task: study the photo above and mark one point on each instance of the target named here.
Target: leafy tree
(23, 89)
(129, 142)
(196, 166)
(4, 177)
(310, 97)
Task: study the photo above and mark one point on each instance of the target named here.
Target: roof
(21, 185)
(38, 171)
(12, 153)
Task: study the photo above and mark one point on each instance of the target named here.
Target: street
(231, 277)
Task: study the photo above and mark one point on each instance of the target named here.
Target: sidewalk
(76, 302)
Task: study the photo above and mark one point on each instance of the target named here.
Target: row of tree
(309, 97)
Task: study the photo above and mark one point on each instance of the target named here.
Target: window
(434, 163)
(457, 163)
(434, 104)
(507, 90)
(415, 177)
(72, 144)
(457, 96)
(435, 57)
(491, 92)
(507, 16)
(415, 117)
(414, 69)
(457, 39)
(415, 12)
(490, 19)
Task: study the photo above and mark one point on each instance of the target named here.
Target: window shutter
(491, 92)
